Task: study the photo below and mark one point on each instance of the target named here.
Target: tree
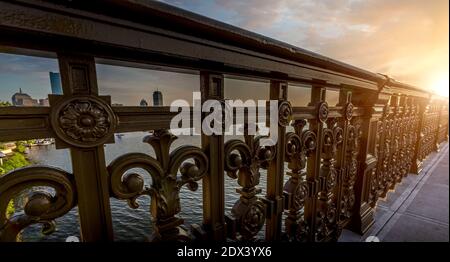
(5, 103)
(10, 210)
(20, 146)
(15, 161)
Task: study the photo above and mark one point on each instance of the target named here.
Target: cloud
(406, 39)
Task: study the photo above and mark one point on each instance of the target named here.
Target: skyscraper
(55, 82)
(157, 98)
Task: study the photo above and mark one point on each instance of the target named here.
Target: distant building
(44, 102)
(157, 98)
(23, 99)
(143, 102)
(55, 83)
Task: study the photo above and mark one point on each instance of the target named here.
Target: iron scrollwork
(41, 207)
(327, 214)
(284, 113)
(243, 161)
(299, 145)
(348, 193)
(396, 140)
(169, 172)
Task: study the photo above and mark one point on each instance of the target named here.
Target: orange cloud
(406, 39)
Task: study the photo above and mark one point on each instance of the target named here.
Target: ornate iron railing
(341, 159)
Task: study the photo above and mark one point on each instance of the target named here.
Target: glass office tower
(55, 82)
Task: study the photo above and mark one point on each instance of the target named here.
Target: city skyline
(23, 99)
(127, 85)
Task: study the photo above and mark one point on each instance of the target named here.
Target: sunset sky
(405, 39)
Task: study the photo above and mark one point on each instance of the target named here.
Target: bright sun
(440, 86)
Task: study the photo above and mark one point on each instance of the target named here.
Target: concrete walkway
(418, 210)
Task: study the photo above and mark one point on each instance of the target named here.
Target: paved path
(418, 210)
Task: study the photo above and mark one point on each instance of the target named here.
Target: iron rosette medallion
(83, 121)
(322, 111)
(284, 113)
(348, 113)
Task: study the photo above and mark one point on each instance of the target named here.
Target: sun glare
(440, 86)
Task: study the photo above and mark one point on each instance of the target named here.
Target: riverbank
(16, 159)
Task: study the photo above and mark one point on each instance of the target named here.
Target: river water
(128, 224)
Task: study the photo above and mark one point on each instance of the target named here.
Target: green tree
(15, 161)
(10, 209)
(20, 146)
(5, 103)
(31, 141)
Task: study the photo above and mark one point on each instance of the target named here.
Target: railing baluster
(344, 187)
(78, 78)
(275, 173)
(372, 103)
(439, 126)
(212, 87)
(314, 162)
(417, 160)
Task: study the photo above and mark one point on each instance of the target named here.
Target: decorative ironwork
(299, 145)
(348, 111)
(326, 228)
(169, 172)
(351, 171)
(242, 162)
(375, 178)
(84, 121)
(339, 166)
(443, 125)
(284, 113)
(41, 207)
(396, 142)
(322, 111)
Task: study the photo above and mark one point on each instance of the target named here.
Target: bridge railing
(340, 158)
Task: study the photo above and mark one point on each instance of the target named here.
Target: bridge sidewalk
(418, 210)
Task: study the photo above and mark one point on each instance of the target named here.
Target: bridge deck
(418, 209)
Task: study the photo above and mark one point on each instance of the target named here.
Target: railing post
(422, 105)
(345, 187)
(212, 87)
(372, 103)
(443, 132)
(314, 162)
(275, 174)
(78, 78)
(439, 126)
